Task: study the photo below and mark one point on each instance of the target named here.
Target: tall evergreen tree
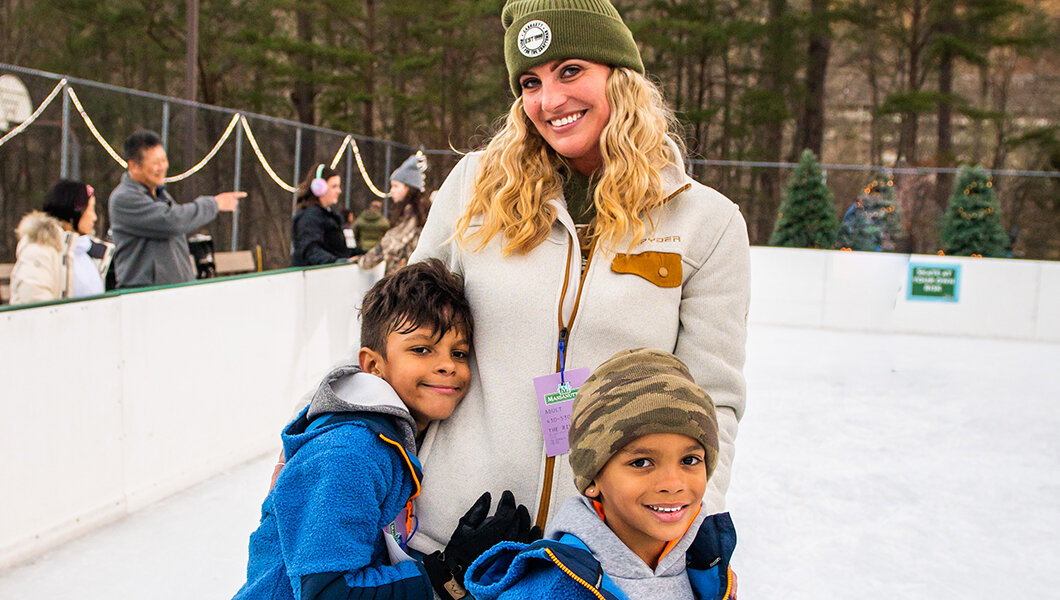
(968, 31)
(972, 223)
(810, 125)
(807, 216)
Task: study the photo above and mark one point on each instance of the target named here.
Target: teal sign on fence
(939, 283)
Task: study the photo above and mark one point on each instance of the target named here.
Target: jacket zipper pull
(562, 353)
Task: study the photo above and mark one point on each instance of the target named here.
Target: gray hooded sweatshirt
(631, 574)
(349, 389)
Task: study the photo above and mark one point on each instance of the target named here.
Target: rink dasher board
(869, 291)
(116, 402)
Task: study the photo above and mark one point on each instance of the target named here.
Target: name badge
(555, 399)
(397, 529)
(396, 535)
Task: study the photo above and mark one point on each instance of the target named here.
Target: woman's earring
(590, 491)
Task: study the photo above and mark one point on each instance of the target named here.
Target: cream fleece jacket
(493, 440)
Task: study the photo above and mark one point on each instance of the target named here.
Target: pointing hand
(227, 201)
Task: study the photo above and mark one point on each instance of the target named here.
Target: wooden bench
(5, 282)
(234, 263)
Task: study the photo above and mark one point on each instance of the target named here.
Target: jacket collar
(159, 192)
(349, 389)
(37, 227)
(674, 181)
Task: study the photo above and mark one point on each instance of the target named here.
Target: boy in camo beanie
(633, 394)
(643, 443)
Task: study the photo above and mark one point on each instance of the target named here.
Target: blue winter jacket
(348, 474)
(564, 569)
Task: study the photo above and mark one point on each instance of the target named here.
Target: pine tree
(807, 217)
(972, 223)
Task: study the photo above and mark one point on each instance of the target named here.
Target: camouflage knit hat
(541, 31)
(633, 394)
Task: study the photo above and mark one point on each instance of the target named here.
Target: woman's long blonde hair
(519, 172)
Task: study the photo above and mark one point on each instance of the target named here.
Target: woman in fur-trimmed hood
(56, 255)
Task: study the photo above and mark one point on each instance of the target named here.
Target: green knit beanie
(541, 31)
(633, 394)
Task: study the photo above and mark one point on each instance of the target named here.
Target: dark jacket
(350, 473)
(369, 228)
(317, 237)
(150, 234)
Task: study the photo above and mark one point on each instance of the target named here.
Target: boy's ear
(370, 361)
(591, 492)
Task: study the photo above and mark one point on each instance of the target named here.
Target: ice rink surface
(868, 466)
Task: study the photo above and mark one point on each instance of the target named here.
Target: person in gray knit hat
(408, 192)
(581, 235)
(643, 443)
(409, 174)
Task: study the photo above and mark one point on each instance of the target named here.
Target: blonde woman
(578, 234)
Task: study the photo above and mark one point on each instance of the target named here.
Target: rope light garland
(974, 187)
(24, 124)
(877, 213)
(261, 157)
(979, 214)
(95, 132)
(364, 173)
(338, 155)
(237, 118)
(209, 156)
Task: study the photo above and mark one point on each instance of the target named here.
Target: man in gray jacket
(148, 226)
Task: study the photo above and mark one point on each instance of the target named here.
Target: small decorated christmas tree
(972, 223)
(807, 217)
(877, 209)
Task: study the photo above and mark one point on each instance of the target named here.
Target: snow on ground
(868, 466)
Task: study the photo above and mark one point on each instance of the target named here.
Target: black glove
(474, 534)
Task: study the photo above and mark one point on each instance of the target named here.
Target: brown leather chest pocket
(661, 268)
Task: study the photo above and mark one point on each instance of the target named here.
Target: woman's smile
(567, 120)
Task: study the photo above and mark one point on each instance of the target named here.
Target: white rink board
(61, 424)
(867, 291)
(1049, 302)
(175, 386)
